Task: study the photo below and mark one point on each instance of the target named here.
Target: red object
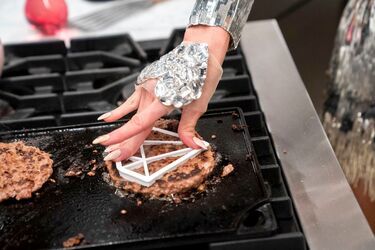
(47, 15)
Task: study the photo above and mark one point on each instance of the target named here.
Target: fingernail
(103, 116)
(110, 148)
(100, 139)
(113, 155)
(199, 142)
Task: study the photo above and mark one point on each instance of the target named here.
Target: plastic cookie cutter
(147, 179)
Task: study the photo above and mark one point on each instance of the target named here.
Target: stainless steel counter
(328, 211)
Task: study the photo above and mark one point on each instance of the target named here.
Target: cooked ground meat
(227, 170)
(187, 176)
(23, 170)
(74, 241)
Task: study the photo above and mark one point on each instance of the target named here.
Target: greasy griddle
(90, 206)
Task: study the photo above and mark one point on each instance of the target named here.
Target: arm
(217, 39)
(230, 15)
(216, 23)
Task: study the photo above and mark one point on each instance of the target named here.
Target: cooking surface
(89, 205)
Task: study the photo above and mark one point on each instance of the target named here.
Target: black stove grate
(45, 84)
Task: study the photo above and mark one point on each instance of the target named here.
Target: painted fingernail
(199, 142)
(110, 148)
(113, 155)
(103, 116)
(100, 139)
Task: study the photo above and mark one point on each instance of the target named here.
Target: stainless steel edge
(328, 211)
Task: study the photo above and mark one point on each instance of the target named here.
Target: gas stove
(46, 84)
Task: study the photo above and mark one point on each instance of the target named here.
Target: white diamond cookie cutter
(126, 171)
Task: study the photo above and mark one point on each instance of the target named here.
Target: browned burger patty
(23, 170)
(187, 176)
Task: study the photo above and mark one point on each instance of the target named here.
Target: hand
(126, 140)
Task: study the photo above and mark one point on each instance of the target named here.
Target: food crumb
(213, 136)
(74, 241)
(139, 202)
(176, 199)
(91, 173)
(201, 188)
(73, 173)
(123, 211)
(238, 127)
(95, 151)
(52, 180)
(235, 115)
(248, 157)
(227, 170)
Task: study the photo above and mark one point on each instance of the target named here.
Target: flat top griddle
(90, 206)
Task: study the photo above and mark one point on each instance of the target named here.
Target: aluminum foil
(181, 74)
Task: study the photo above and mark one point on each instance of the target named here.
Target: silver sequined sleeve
(231, 15)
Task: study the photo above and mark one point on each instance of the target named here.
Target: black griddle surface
(90, 206)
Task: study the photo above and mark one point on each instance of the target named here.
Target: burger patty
(184, 178)
(23, 170)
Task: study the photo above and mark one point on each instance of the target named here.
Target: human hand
(126, 140)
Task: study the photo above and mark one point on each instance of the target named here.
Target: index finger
(138, 123)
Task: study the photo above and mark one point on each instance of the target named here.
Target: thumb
(186, 129)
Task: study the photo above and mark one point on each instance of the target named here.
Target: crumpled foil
(181, 74)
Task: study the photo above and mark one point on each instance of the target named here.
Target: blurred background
(309, 28)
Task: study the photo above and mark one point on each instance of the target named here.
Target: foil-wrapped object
(350, 116)
(181, 74)
(231, 15)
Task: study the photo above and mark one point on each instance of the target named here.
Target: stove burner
(46, 81)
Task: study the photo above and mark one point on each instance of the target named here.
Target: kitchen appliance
(47, 85)
(110, 15)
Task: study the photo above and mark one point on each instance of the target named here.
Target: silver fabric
(231, 15)
(350, 117)
(181, 74)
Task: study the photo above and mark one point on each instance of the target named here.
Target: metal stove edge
(327, 209)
